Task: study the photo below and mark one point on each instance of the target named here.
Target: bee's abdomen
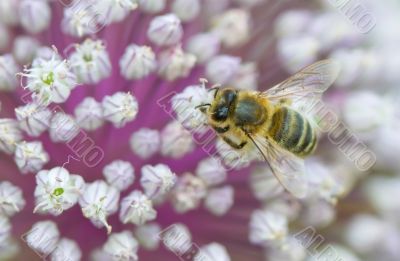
(292, 132)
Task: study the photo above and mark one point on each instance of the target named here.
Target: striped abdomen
(293, 132)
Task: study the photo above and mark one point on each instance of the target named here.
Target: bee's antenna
(202, 105)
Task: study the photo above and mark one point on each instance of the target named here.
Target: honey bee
(269, 121)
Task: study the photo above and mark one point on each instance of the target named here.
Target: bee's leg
(234, 145)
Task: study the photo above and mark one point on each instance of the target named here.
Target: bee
(272, 122)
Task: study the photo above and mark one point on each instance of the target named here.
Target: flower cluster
(116, 82)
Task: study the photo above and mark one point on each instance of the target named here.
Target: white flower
(148, 235)
(63, 127)
(177, 238)
(318, 213)
(50, 80)
(380, 192)
(176, 141)
(165, 30)
(296, 52)
(157, 180)
(33, 118)
(184, 105)
(186, 10)
(232, 27)
(35, 16)
(365, 233)
(375, 112)
(351, 62)
(211, 171)
(9, 12)
(264, 184)
(66, 249)
(222, 69)
(268, 228)
(174, 63)
(10, 249)
(30, 156)
(120, 108)
(119, 174)
(5, 230)
(212, 252)
(339, 252)
(90, 62)
(11, 199)
(204, 46)
(121, 246)
(292, 22)
(292, 250)
(8, 70)
(57, 190)
(89, 114)
(187, 193)
(322, 182)
(151, 6)
(24, 49)
(109, 11)
(328, 39)
(145, 142)
(136, 208)
(10, 135)
(246, 77)
(250, 3)
(219, 200)
(80, 19)
(5, 39)
(137, 62)
(43, 237)
(286, 205)
(98, 202)
(213, 7)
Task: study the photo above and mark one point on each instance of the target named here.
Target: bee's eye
(221, 113)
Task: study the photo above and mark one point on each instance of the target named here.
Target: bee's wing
(306, 85)
(287, 167)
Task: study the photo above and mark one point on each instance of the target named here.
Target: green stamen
(58, 192)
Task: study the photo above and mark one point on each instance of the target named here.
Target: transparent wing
(306, 85)
(287, 168)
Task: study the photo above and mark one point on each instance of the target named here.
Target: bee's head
(223, 104)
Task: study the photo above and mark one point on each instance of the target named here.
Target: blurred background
(107, 63)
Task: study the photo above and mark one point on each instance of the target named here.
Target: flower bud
(11, 199)
(30, 157)
(35, 15)
(145, 142)
(204, 46)
(174, 63)
(137, 62)
(232, 27)
(90, 62)
(89, 114)
(219, 200)
(136, 208)
(212, 252)
(24, 49)
(211, 171)
(10, 135)
(119, 174)
(222, 69)
(148, 235)
(165, 30)
(152, 6)
(8, 71)
(186, 10)
(63, 128)
(33, 118)
(120, 108)
(176, 141)
(66, 249)
(157, 180)
(43, 237)
(121, 246)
